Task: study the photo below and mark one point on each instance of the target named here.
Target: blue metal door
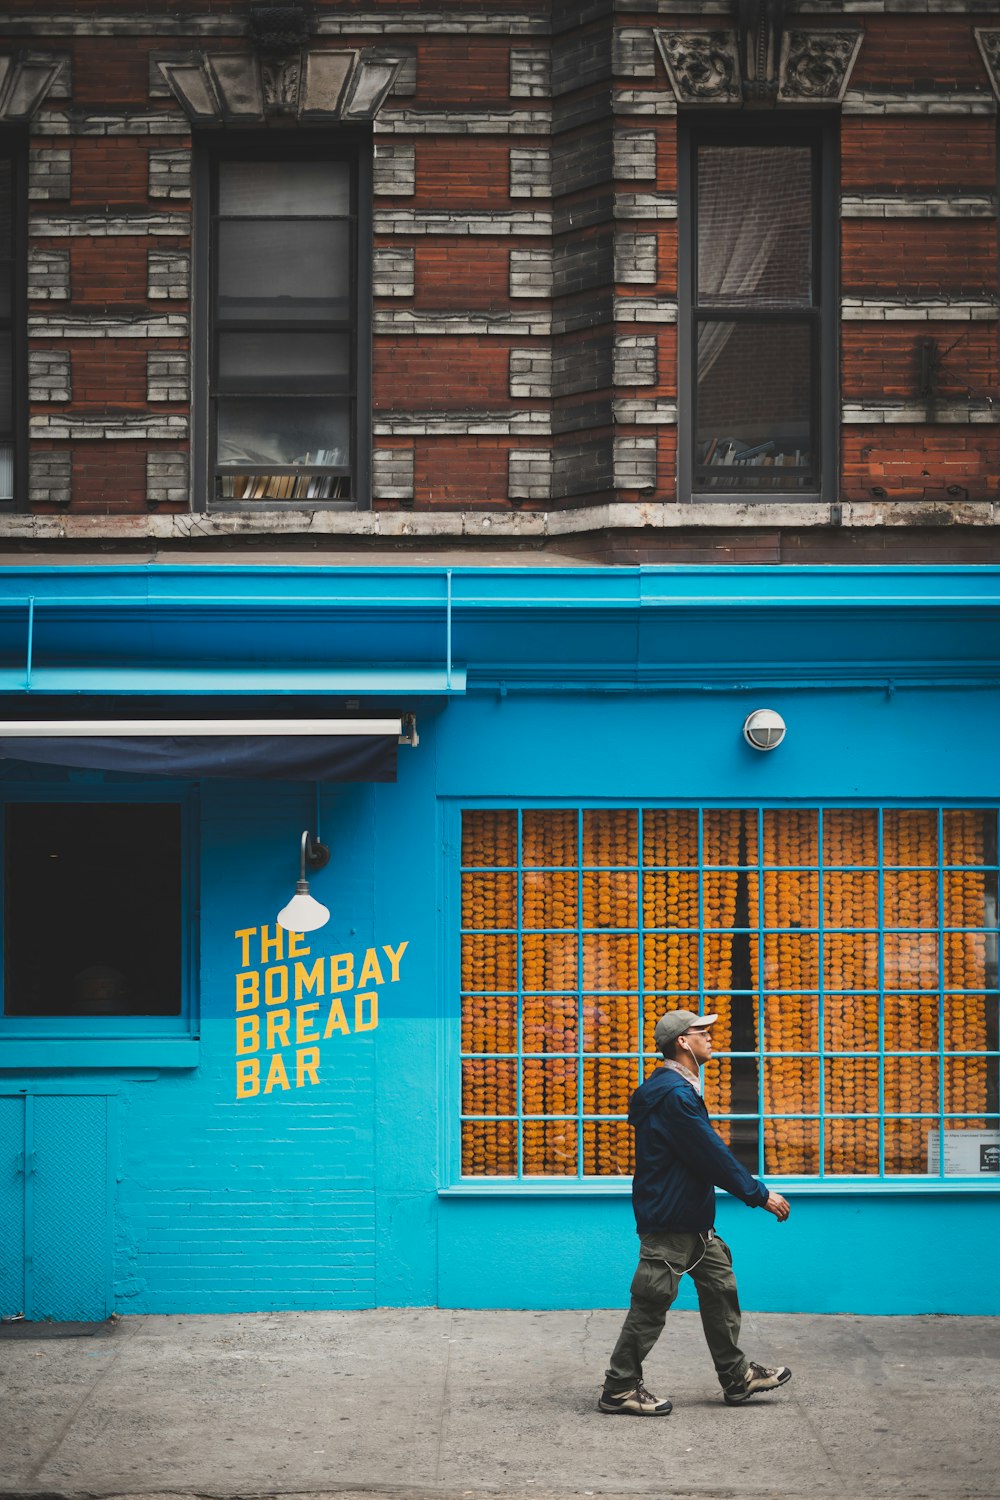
(55, 1202)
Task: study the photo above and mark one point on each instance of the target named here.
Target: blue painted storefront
(133, 1175)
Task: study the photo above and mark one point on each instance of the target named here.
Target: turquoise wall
(327, 1195)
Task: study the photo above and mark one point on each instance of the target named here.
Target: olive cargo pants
(663, 1259)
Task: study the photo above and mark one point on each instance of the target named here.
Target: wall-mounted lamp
(763, 729)
(303, 913)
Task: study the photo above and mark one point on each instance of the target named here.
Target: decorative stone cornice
(815, 66)
(988, 42)
(703, 66)
(25, 79)
(313, 85)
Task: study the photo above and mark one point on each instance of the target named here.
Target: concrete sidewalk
(436, 1403)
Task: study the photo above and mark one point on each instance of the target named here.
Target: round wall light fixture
(764, 729)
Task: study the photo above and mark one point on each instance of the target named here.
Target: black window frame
(14, 150)
(355, 146)
(820, 132)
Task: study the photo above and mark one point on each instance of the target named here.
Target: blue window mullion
(519, 1020)
(821, 992)
(881, 994)
(761, 997)
(580, 1070)
(940, 990)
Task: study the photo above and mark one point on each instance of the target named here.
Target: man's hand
(778, 1206)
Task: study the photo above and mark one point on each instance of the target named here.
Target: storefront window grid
(704, 997)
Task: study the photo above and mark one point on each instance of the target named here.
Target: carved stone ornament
(989, 46)
(25, 79)
(236, 88)
(816, 66)
(703, 66)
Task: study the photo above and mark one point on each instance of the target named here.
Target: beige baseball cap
(669, 1027)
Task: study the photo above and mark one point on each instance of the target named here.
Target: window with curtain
(283, 366)
(849, 953)
(757, 355)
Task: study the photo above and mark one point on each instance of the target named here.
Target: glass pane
(489, 838)
(279, 189)
(610, 963)
(489, 901)
(549, 898)
(489, 963)
(548, 1086)
(970, 837)
(280, 270)
(970, 898)
(906, 1146)
(489, 1087)
(549, 1023)
(791, 961)
(850, 836)
(911, 1085)
(670, 898)
(610, 1023)
(852, 1147)
(911, 960)
(489, 1023)
(548, 963)
(911, 1023)
(909, 836)
(671, 962)
(550, 1148)
(608, 1084)
(320, 359)
(6, 471)
(259, 430)
(850, 960)
(741, 1136)
(851, 1023)
(791, 1146)
(755, 210)
(852, 1085)
(610, 898)
(791, 837)
(549, 838)
(910, 898)
(754, 405)
(970, 1023)
(610, 837)
(489, 1148)
(791, 899)
(850, 898)
(670, 837)
(791, 1086)
(607, 1148)
(791, 1023)
(118, 950)
(970, 960)
(729, 837)
(6, 294)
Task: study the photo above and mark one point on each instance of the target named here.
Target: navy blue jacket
(679, 1159)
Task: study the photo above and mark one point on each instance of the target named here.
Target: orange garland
(562, 975)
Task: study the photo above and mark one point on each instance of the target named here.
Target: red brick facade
(526, 241)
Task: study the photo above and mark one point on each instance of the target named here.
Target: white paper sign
(966, 1152)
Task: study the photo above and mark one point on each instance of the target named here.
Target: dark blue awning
(282, 750)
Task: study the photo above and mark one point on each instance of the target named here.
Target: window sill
(791, 1186)
(18, 1053)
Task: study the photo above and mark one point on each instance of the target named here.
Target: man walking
(679, 1161)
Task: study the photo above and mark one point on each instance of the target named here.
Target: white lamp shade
(303, 914)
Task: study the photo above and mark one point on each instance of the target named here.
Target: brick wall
(525, 272)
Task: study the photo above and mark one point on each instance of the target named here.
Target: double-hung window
(286, 385)
(11, 385)
(757, 336)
